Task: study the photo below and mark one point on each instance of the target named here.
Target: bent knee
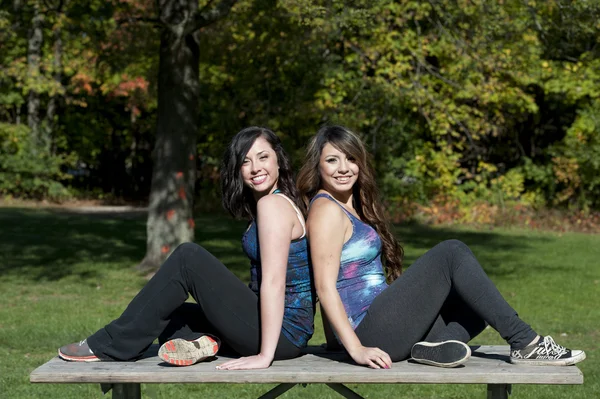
(451, 248)
(188, 248)
(453, 245)
(185, 251)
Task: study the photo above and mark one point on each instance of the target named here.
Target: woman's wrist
(354, 349)
(266, 357)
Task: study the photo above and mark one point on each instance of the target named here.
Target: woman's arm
(332, 342)
(327, 227)
(276, 220)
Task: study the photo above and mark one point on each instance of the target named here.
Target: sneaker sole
(550, 362)
(180, 352)
(441, 354)
(86, 359)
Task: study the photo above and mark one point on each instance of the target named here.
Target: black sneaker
(180, 352)
(77, 352)
(546, 352)
(441, 354)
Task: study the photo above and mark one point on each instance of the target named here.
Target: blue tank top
(361, 277)
(299, 308)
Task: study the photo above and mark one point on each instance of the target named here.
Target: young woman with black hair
(269, 320)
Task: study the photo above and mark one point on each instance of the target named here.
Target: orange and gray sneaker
(180, 352)
(77, 352)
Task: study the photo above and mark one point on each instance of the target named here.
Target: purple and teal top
(361, 277)
(299, 308)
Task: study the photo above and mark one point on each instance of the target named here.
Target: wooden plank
(489, 365)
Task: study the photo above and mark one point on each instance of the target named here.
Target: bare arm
(327, 228)
(276, 220)
(332, 342)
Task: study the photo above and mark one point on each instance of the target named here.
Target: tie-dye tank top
(361, 277)
(299, 308)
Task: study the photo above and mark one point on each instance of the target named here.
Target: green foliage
(28, 171)
(449, 95)
(469, 101)
(577, 164)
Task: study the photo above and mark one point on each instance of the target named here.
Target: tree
(170, 213)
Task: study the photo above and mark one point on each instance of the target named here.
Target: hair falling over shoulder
(367, 201)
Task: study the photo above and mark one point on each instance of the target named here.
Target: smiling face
(338, 172)
(260, 170)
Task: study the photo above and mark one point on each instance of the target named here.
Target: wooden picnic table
(488, 365)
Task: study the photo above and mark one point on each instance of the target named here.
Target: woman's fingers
(228, 365)
(235, 366)
(387, 360)
(245, 363)
(372, 364)
(372, 357)
(380, 362)
(376, 358)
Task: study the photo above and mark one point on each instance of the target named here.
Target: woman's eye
(330, 160)
(264, 157)
(351, 159)
(245, 161)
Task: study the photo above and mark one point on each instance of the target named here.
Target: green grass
(62, 276)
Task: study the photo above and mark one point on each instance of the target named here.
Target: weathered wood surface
(488, 365)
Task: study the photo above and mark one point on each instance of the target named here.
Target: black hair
(237, 199)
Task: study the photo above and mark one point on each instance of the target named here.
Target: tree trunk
(170, 217)
(57, 93)
(170, 211)
(34, 56)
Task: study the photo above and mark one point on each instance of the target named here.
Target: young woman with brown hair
(428, 312)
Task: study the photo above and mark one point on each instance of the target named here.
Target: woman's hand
(372, 357)
(245, 363)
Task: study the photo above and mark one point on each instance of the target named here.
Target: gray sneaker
(449, 353)
(546, 352)
(77, 352)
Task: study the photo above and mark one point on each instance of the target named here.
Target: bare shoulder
(274, 204)
(323, 211)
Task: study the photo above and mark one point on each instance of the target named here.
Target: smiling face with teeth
(260, 169)
(339, 172)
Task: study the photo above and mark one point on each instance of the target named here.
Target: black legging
(226, 308)
(445, 294)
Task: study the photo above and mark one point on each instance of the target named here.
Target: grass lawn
(63, 276)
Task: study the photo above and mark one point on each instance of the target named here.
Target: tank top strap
(298, 213)
(329, 197)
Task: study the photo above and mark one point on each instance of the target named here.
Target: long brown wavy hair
(366, 200)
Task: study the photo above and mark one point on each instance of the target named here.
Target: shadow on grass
(499, 254)
(47, 245)
(42, 245)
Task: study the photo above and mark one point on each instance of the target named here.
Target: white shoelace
(552, 347)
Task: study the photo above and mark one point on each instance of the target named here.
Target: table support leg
(127, 391)
(278, 390)
(498, 391)
(344, 391)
